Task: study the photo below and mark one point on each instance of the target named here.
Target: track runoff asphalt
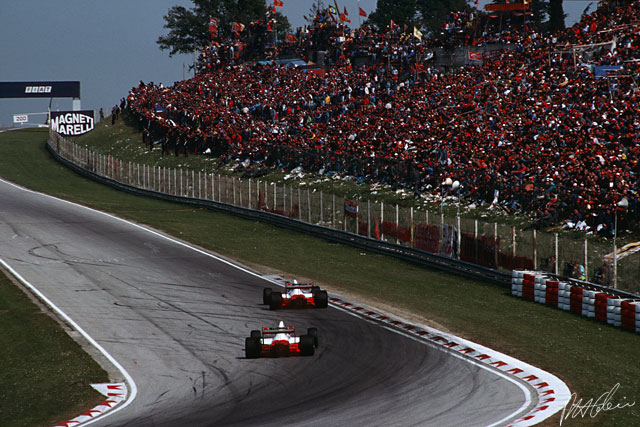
(175, 317)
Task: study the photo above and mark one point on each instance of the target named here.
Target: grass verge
(45, 374)
(591, 357)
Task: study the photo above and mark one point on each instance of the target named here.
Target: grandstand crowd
(535, 128)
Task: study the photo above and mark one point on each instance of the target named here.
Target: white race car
(296, 295)
(280, 341)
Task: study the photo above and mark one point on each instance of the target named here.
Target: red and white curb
(552, 393)
(115, 394)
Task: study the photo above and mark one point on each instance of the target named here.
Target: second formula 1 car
(295, 295)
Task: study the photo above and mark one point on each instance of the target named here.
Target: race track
(175, 318)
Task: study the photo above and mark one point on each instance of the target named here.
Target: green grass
(591, 357)
(45, 376)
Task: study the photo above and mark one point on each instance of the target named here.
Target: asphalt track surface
(176, 318)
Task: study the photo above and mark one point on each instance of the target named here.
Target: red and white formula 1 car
(296, 295)
(280, 341)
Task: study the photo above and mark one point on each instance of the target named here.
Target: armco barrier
(418, 256)
(616, 308)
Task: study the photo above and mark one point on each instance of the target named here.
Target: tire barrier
(606, 306)
(564, 296)
(630, 316)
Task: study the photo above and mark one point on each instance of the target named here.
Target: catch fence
(492, 245)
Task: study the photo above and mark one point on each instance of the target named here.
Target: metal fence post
(357, 216)
(321, 216)
(382, 220)
(458, 234)
(309, 203)
(275, 199)
(586, 261)
(249, 197)
(397, 224)
(556, 251)
(233, 189)
(495, 243)
(535, 250)
(475, 238)
(368, 218)
(284, 198)
(333, 211)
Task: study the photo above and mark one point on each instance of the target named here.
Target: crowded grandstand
(546, 124)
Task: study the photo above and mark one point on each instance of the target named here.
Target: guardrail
(410, 254)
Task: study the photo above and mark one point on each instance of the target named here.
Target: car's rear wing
(274, 331)
(289, 285)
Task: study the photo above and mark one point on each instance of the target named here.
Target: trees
(189, 28)
(426, 14)
(431, 14)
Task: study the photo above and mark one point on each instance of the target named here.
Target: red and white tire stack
(564, 296)
(523, 284)
(601, 306)
(551, 297)
(576, 299)
(614, 309)
(589, 303)
(630, 316)
(539, 287)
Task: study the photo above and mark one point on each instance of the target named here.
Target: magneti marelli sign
(72, 123)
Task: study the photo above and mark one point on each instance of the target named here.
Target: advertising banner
(351, 208)
(72, 123)
(39, 89)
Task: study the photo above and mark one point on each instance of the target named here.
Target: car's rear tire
(252, 348)
(306, 345)
(256, 334)
(266, 296)
(275, 301)
(313, 332)
(321, 299)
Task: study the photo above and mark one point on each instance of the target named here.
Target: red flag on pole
(278, 3)
(362, 12)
